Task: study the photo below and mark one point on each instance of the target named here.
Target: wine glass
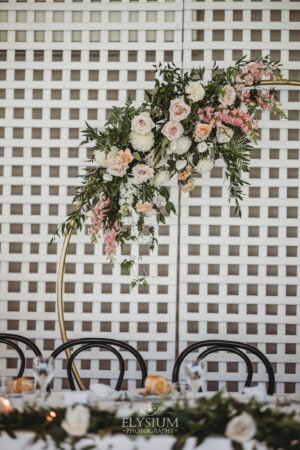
(43, 371)
(195, 375)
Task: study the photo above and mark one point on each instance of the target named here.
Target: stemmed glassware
(195, 375)
(43, 371)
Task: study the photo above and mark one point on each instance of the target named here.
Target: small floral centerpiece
(182, 128)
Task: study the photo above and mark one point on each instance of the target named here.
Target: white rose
(141, 142)
(180, 146)
(224, 134)
(241, 428)
(172, 130)
(161, 178)
(116, 168)
(179, 110)
(159, 201)
(202, 147)
(103, 159)
(204, 167)
(141, 173)
(77, 420)
(180, 164)
(195, 90)
(228, 97)
(142, 123)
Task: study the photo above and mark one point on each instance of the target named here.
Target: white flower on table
(77, 420)
(241, 428)
(195, 90)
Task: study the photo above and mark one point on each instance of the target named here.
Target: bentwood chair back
(111, 345)
(238, 348)
(13, 341)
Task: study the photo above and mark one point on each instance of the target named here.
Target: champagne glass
(43, 371)
(195, 375)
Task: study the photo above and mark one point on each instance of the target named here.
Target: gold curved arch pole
(62, 261)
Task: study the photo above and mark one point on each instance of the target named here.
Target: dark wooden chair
(238, 348)
(111, 345)
(13, 341)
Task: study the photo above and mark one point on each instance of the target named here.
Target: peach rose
(185, 174)
(125, 156)
(172, 130)
(202, 131)
(189, 186)
(179, 110)
(144, 207)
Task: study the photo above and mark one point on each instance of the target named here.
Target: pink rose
(142, 123)
(179, 110)
(202, 131)
(172, 130)
(141, 173)
(117, 168)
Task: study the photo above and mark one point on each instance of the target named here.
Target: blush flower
(172, 130)
(104, 159)
(202, 131)
(179, 110)
(141, 173)
(125, 156)
(185, 174)
(116, 168)
(142, 124)
(228, 97)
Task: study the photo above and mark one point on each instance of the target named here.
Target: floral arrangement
(276, 427)
(182, 128)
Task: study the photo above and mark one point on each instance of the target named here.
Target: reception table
(122, 440)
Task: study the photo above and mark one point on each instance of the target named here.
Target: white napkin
(101, 390)
(258, 392)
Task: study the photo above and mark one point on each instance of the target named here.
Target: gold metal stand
(62, 262)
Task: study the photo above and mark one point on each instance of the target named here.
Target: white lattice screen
(66, 62)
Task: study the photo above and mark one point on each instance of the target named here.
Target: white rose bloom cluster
(161, 178)
(224, 134)
(195, 91)
(228, 98)
(104, 159)
(180, 146)
(204, 167)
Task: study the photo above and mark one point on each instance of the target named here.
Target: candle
(5, 406)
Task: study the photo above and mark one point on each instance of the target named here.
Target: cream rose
(224, 134)
(202, 131)
(142, 124)
(195, 91)
(142, 142)
(116, 168)
(172, 130)
(104, 159)
(204, 167)
(141, 173)
(76, 421)
(180, 164)
(241, 428)
(180, 146)
(228, 98)
(161, 178)
(179, 110)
